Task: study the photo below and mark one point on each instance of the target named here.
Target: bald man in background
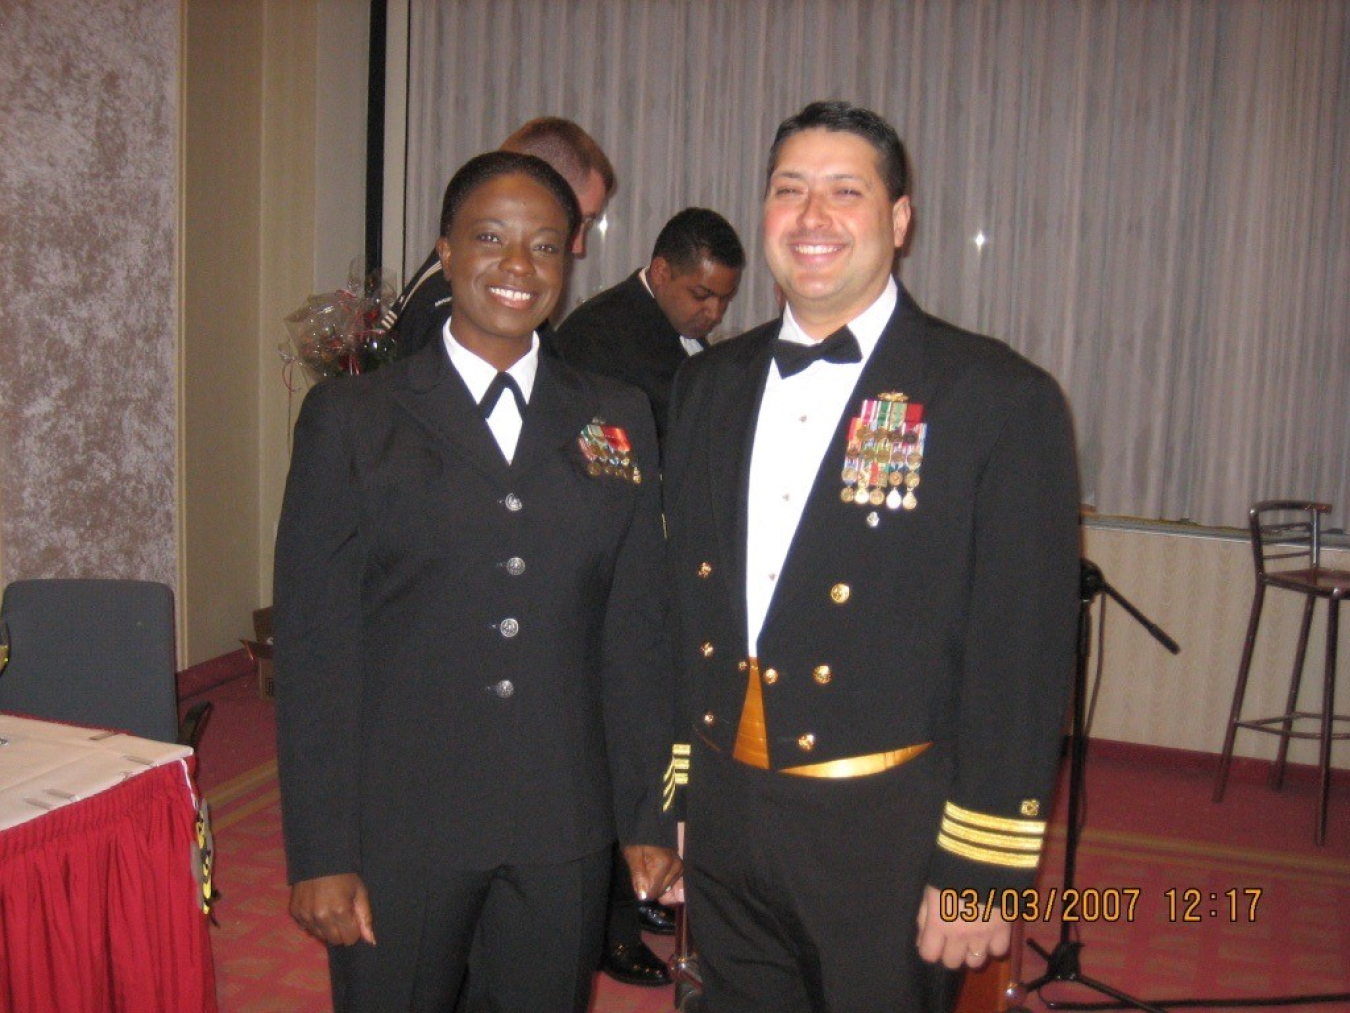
(422, 308)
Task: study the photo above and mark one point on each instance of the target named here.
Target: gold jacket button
(707, 650)
(822, 674)
(742, 665)
(770, 676)
(839, 593)
(709, 718)
(806, 742)
(704, 569)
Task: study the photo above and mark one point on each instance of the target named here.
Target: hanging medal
(884, 453)
(852, 460)
(915, 433)
(608, 452)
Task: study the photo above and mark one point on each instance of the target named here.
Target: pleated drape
(1147, 197)
(98, 905)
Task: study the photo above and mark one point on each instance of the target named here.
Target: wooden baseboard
(1244, 769)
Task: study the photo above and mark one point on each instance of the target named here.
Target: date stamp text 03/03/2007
(1182, 905)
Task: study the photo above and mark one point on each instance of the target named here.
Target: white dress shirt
(478, 374)
(797, 419)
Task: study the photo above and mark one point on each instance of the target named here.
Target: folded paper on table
(45, 765)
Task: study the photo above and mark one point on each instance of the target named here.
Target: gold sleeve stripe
(676, 775)
(994, 822)
(985, 855)
(1009, 841)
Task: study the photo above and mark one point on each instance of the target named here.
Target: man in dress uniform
(873, 530)
(639, 332)
(643, 328)
(471, 651)
(416, 317)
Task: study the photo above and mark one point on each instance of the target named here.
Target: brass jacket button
(704, 569)
(770, 676)
(822, 674)
(806, 742)
(742, 665)
(709, 718)
(839, 593)
(707, 650)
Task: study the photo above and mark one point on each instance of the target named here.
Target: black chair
(96, 652)
(1288, 534)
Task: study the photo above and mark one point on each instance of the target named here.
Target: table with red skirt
(100, 874)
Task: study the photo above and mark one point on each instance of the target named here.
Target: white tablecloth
(44, 765)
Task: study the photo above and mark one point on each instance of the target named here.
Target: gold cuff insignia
(677, 774)
(993, 840)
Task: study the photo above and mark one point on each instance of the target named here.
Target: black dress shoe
(654, 916)
(635, 965)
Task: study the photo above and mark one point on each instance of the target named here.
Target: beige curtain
(1148, 197)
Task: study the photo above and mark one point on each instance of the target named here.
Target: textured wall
(88, 203)
(1199, 590)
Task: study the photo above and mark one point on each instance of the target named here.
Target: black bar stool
(1288, 533)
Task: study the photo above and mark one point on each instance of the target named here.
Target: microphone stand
(1062, 963)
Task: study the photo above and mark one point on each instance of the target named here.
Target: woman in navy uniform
(472, 677)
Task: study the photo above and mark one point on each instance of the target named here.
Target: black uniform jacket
(953, 622)
(471, 655)
(622, 332)
(418, 315)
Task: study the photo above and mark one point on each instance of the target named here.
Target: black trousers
(534, 932)
(622, 926)
(803, 892)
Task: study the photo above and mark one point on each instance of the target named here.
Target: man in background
(640, 331)
(643, 328)
(422, 308)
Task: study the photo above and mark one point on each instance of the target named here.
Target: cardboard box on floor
(260, 651)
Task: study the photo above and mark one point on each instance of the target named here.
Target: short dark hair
(851, 119)
(488, 166)
(566, 147)
(696, 233)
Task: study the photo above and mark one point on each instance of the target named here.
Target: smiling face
(694, 300)
(830, 228)
(506, 260)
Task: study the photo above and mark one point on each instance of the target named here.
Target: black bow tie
(501, 382)
(841, 346)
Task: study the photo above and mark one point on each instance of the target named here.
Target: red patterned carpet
(1150, 828)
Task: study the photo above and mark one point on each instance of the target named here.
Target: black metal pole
(1062, 963)
(379, 11)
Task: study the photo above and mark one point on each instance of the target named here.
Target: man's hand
(960, 942)
(333, 909)
(654, 869)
